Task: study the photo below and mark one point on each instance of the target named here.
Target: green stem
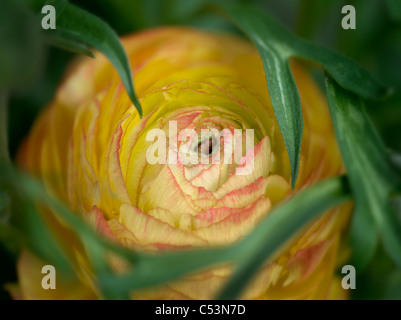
(4, 154)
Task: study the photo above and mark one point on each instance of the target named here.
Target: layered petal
(91, 149)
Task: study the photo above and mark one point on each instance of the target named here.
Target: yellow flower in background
(90, 149)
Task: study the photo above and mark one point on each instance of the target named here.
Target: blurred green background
(375, 44)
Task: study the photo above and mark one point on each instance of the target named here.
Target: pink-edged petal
(96, 218)
(163, 191)
(132, 129)
(215, 215)
(113, 171)
(244, 196)
(208, 178)
(132, 154)
(261, 165)
(163, 215)
(199, 197)
(305, 261)
(231, 226)
(267, 276)
(147, 230)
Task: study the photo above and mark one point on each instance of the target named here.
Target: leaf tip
(139, 108)
(294, 175)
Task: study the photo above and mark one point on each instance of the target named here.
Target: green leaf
(288, 110)
(364, 237)
(155, 269)
(44, 243)
(152, 269)
(70, 45)
(372, 175)
(345, 71)
(248, 254)
(281, 226)
(27, 226)
(81, 29)
(149, 269)
(276, 45)
(267, 35)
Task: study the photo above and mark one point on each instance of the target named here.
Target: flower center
(206, 147)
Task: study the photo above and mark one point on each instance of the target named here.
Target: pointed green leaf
(276, 45)
(81, 29)
(371, 173)
(285, 98)
(344, 70)
(262, 28)
(265, 33)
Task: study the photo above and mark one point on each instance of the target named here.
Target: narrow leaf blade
(287, 106)
(70, 45)
(78, 26)
(267, 35)
(371, 173)
(344, 70)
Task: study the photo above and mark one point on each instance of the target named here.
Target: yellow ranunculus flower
(89, 148)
